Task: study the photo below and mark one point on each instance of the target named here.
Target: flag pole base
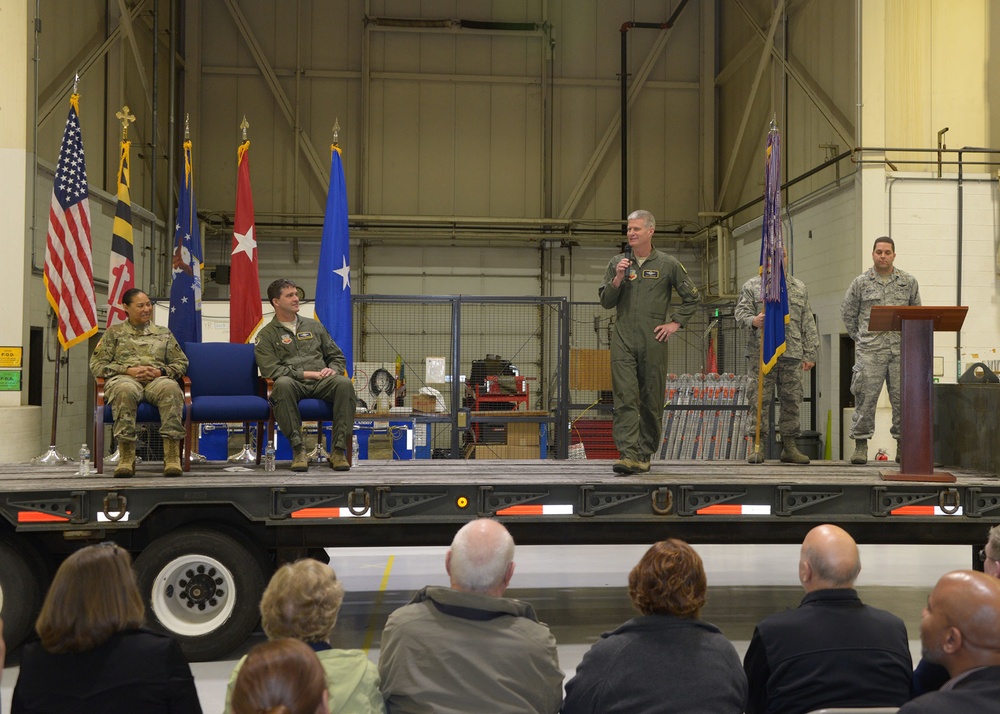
(197, 458)
(319, 454)
(246, 455)
(52, 457)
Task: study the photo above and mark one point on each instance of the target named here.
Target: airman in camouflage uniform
(140, 362)
(639, 289)
(876, 360)
(801, 348)
(304, 361)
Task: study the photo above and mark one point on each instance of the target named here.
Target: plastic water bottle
(84, 460)
(355, 452)
(269, 458)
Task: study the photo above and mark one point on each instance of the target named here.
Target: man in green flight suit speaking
(639, 284)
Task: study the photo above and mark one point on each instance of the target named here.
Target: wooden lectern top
(889, 318)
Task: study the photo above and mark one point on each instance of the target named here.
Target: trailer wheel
(20, 590)
(203, 587)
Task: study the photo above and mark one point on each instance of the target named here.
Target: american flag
(69, 266)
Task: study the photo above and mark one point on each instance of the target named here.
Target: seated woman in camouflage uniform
(142, 362)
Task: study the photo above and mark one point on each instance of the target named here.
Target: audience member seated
(930, 677)
(960, 630)
(302, 601)
(281, 677)
(467, 648)
(833, 650)
(667, 660)
(93, 656)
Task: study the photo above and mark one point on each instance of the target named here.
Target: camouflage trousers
(335, 389)
(786, 377)
(124, 393)
(871, 371)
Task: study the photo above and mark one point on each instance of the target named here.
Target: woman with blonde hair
(281, 677)
(93, 655)
(303, 601)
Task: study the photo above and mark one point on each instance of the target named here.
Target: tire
(203, 587)
(21, 590)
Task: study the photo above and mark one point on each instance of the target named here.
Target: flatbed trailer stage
(206, 543)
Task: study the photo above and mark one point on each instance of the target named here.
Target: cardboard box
(501, 451)
(590, 369)
(424, 403)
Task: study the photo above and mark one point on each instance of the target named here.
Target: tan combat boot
(860, 455)
(756, 457)
(790, 453)
(625, 467)
(338, 460)
(300, 459)
(172, 457)
(126, 460)
(640, 467)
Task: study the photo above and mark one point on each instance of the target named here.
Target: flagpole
(69, 285)
(52, 457)
(760, 381)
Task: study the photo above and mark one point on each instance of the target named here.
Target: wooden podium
(918, 325)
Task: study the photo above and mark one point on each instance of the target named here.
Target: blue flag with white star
(185, 288)
(333, 283)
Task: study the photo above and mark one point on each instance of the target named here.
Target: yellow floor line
(377, 605)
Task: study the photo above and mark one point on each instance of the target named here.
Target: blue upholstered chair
(145, 414)
(225, 387)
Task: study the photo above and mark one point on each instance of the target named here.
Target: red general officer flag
(245, 314)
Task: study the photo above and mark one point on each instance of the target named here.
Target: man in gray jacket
(467, 648)
(801, 346)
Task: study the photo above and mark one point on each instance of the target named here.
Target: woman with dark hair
(666, 660)
(281, 677)
(93, 655)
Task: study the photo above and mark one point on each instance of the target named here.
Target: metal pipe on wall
(623, 78)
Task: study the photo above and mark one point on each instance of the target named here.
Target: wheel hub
(201, 587)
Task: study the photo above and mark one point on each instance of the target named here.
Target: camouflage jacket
(124, 346)
(801, 335)
(283, 353)
(868, 290)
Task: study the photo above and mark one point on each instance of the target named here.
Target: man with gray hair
(832, 650)
(467, 648)
(639, 284)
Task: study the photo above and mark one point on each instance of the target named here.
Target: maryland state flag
(773, 290)
(185, 289)
(333, 282)
(245, 313)
(121, 275)
(69, 263)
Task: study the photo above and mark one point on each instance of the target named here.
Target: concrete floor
(580, 591)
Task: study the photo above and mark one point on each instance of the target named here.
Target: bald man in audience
(960, 629)
(832, 650)
(467, 648)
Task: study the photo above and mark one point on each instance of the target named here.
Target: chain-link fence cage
(496, 359)
(499, 377)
